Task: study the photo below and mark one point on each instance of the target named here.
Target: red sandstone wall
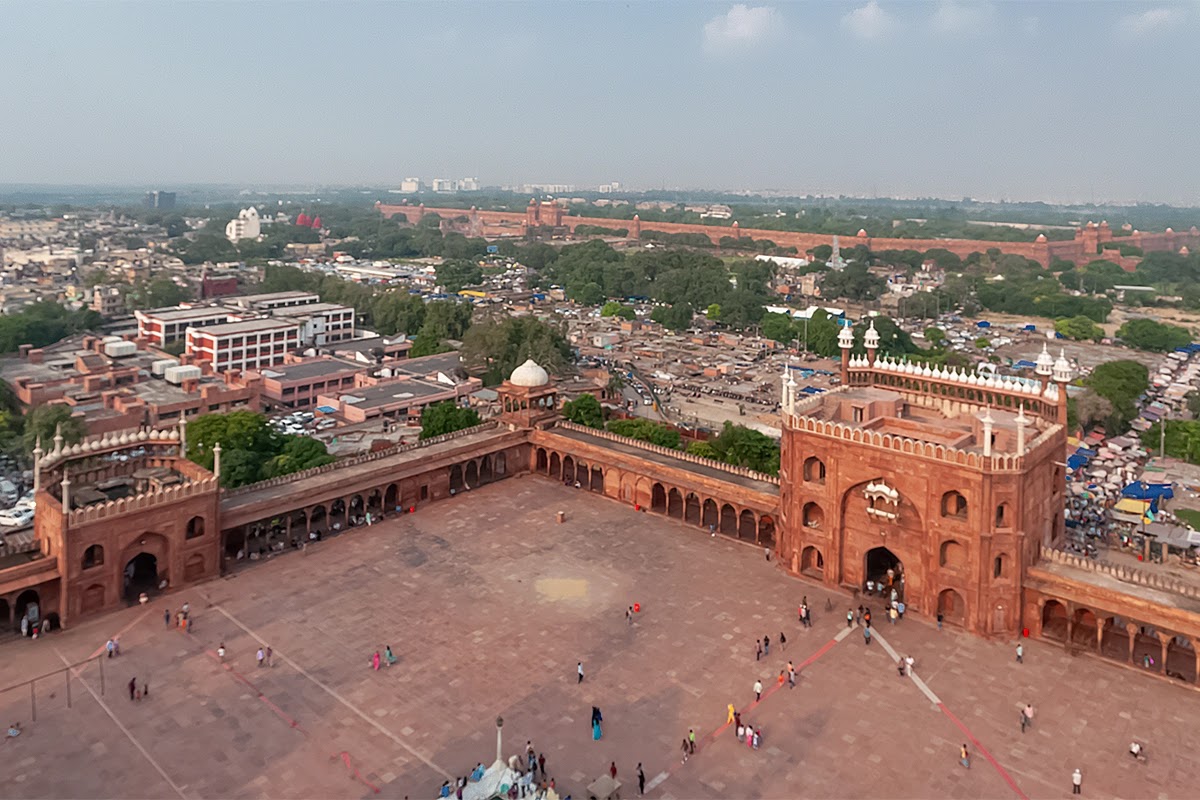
(1078, 250)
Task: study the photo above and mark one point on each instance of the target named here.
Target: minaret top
(846, 338)
(1062, 368)
(871, 337)
(1045, 362)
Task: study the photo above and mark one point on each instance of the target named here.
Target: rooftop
(449, 363)
(310, 369)
(392, 392)
(248, 326)
(251, 299)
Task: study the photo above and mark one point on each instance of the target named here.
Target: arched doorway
(812, 563)
(711, 518)
(318, 520)
(29, 606)
(1083, 632)
(747, 526)
(658, 498)
(597, 480)
(543, 464)
(1054, 621)
(337, 513)
(1181, 659)
(501, 464)
(877, 563)
(766, 531)
(691, 509)
(729, 520)
(675, 504)
(456, 478)
(555, 465)
(391, 497)
(485, 470)
(375, 501)
(472, 477)
(141, 575)
(952, 607)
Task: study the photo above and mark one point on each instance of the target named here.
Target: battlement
(108, 443)
(679, 454)
(140, 502)
(362, 459)
(800, 420)
(1009, 384)
(1132, 575)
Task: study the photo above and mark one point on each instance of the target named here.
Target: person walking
(767, 551)
(221, 652)
(261, 656)
(166, 618)
(939, 620)
(271, 656)
(691, 742)
(374, 660)
(791, 671)
(684, 747)
(758, 651)
(867, 635)
(612, 770)
(757, 691)
(629, 616)
(782, 642)
(641, 780)
(132, 688)
(893, 615)
(579, 671)
(542, 764)
(187, 608)
(1020, 653)
(110, 647)
(1026, 717)
(964, 756)
(732, 715)
(1076, 782)
(850, 617)
(766, 645)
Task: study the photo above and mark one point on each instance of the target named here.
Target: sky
(1057, 101)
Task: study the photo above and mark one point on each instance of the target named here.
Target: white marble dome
(529, 375)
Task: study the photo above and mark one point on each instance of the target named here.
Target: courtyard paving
(489, 604)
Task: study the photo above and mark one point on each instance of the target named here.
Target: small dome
(1041, 237)
(529, 375)
(1170, 230)
(862, 233)
(1183, 251)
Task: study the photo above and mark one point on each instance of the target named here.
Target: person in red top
(612, 770)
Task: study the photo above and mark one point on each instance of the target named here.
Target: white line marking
(843, 633)
(933, 698)
(655, 781)
(124, 730)
(361, 714)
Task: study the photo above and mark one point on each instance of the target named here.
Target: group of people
(183, 618)
(387, 659)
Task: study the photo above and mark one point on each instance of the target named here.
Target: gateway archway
(141, 575)
(876, 564)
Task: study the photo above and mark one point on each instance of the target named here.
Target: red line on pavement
(979, 745)
(238, 676)
(117, 636)
(358, 775)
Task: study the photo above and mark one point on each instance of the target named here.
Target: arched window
(999, 566)
(954, 505)
(813, 516)
(953, 554)
(1002, 520)
(814, 470)
(93, 556)
(195, 527)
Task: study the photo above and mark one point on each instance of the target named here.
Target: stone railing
(1132, 575)
(666, 451)
(365, 458)
(138, 502)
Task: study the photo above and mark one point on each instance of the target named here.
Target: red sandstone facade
(951, 478)
(1083, 248)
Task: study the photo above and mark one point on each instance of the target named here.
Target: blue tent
(1030, 327)
(1024, 364)
(1151, 491)
(811, 390)
(983, 323)
(1076, 461)
(1087, 452)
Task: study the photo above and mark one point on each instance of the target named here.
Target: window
(954, 505)
(425, 492)
(857, 413)
(1002, 516)
(195, 527)
(814, 470)
(92, 557)
(953, 554)
(998, 567)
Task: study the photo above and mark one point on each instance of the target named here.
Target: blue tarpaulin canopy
(327, 409)
(1149, 491)
(1086, 452)
(1076, 461)
(983, 323)
(811, 390)
(1024, 364)
(1031, 327)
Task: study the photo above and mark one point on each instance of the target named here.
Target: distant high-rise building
(468, 185)
(609, 188)
(410, 185)
(442, 185)
(157, 199)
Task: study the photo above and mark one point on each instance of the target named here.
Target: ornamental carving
(883, 502)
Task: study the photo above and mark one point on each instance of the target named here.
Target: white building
(443, 185)
(609, 188)
(246, 226)
(468, 185)
(410, 185)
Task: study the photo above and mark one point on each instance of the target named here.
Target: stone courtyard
(489, 603)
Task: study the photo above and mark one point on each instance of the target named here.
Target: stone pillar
(1163, 641)
(1131, 630)
(37, 466)
(1099, 637)
(217, 460)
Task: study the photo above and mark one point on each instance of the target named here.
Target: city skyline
(1058, 102)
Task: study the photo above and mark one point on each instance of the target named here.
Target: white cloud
(740, 27)
(961, 19)
(1150, 21)
(869, 21)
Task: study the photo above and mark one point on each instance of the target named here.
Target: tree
(713, 311)
(1193, 404)
(446, 417)
(614, 309)
(584, 410)
(746, 447)
(157, 293)
(676, 317)
(43, 422)
(1147, 334)
(703, 450)
(778, 327)
(982, 341)
(646, 431)
(1079, 328)
(299, 453)
(1121, 383)
(853, 283)
(425, 344)
(496, 346)
(822, 252)
(1091, 408)
(456, 273)
(935, 336)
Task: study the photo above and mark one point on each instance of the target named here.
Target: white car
(16, 517)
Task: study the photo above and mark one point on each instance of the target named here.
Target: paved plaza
(489, 603)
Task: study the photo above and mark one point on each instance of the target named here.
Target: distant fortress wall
(1083, 248)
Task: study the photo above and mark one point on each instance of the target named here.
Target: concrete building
(246, 226)
(252, 344)
(107, 301)
(410, 186)
(297, 386)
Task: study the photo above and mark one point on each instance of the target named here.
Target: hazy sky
(1022, 100)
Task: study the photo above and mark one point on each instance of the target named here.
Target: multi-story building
(157, 199)
(298, 385)
(107, 301)
(246, 226)
(324, 324)
(410, 185)
(443, 185)
(468, 185)
(272, 301)
(164, 326)
(251, 344)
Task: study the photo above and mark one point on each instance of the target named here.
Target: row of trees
(43, 323)
(251, 450)
(1111, 397)
(1147, 334)
(820, 334)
